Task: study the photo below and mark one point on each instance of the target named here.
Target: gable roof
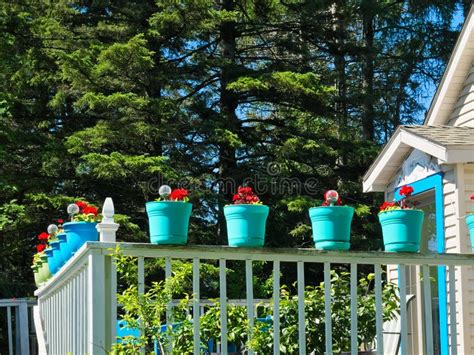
(454, 75)
(447, 143)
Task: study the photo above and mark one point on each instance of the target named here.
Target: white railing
(19, 334)
(78, 306)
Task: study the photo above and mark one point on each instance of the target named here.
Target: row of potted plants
(246, 219)
(60, 242)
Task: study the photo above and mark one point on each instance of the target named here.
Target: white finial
(108, 210)
(108, 228)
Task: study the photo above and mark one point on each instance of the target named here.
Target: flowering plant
(245, 195)
(331, 198)
(85, 213)
(405, 192)
(167, 194)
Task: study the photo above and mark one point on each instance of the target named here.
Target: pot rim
(402, 210)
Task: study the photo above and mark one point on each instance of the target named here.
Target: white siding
(467, 206)
(463, 112)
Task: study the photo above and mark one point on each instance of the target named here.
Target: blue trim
(435, 182)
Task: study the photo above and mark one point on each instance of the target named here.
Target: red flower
(81, 204)
(386, 205)
(90, 210)
(472, 197)
(40, 247)
(245, 195)
(406, 190)
(43, 236)
(60, 221)
(178, 194)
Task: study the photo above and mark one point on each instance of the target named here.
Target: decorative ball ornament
(52, 229)
(164, 191)
(331, 196)
(72, 209)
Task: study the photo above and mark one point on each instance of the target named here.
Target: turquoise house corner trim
(435, 182)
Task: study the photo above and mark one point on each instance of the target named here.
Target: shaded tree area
(113, 98)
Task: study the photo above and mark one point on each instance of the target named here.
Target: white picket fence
(78, 306)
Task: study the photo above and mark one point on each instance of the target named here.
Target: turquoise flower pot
(401, 230)
(470, 227)
(331, 227)
(53, 257)
(77, 234)
(63, 255)
(169, 221)
(246, 225)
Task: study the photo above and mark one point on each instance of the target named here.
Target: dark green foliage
(113, 98)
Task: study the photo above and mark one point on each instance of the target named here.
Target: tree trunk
(368, 77)
(229, 120)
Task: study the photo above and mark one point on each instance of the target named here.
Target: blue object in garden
(169, 221)
(124, 331)
(331, 227)
(246, 224)
(470, 227)
(401, 229)
(78, 233)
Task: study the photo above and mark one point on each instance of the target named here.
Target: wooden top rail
(216, 252)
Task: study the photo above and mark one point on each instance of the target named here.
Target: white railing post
(96, 317)
(108, 228)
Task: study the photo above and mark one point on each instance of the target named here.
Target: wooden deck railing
(78, 305)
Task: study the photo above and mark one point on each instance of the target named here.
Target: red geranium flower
(43, 236)
(40, 247)
(406, 190)
(81, 204)
(60, 221)
(472, 197)
(90, 210)
(245, 195)
(178, 194)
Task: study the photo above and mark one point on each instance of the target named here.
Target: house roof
(449, 144)
(454, 75)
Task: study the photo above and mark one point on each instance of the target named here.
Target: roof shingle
(444, 135)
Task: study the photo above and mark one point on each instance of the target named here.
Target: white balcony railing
(78, 306)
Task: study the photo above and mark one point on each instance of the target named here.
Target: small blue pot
(77, 234)
(402, 230)
(169, 221)
(246, 225)
(63, 254)
(331, 227)
(470, 227)
(52, 255)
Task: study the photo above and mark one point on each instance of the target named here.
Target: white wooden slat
(249, 295)
(10, 332)
(112, 295)
(378, 308)
(196, 315)
(354, 281)
(168, 271)
(276, 307)
(223, 305)
(403, 309)
(427, 310)
(327, 307)
(96, 303)
(141, 274)
(452, 309)
(301, 310)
